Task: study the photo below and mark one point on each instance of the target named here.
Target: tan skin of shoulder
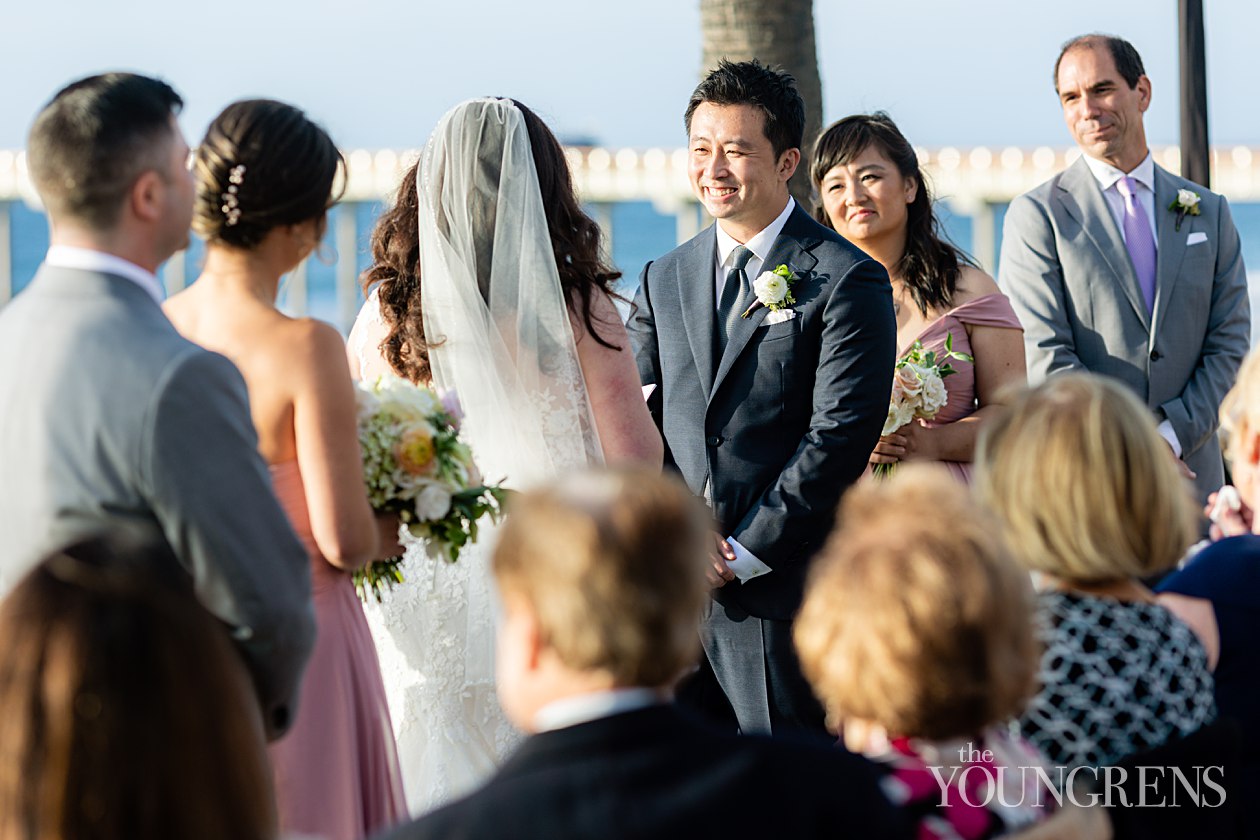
(999, 354)
(301, 396)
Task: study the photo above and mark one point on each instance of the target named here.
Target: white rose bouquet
(415, 465)
(918, 391)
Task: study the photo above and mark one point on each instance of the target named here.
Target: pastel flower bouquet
(415, 465)
(918, 391)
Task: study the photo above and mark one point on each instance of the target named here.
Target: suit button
(714, 440)
(1155, 356)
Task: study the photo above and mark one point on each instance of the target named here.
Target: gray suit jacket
(786, 419)
(111, 417)
(1066, 270)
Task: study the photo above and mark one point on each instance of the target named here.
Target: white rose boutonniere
(1185, 204)
(773, 290)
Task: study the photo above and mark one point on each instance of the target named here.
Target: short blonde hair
(915, 616)
(1240, 410)
(1084, 484)
(612, 564)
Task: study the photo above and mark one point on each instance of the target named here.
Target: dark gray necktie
(734, 292)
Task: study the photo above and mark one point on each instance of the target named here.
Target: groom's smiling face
(734, 170)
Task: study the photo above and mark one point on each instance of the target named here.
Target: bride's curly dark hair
(395, 272)
(576, 241)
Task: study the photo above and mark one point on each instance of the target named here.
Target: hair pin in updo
(231, 204)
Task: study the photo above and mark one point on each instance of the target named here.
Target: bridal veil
(495, 315)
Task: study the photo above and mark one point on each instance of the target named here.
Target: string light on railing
(627, 159)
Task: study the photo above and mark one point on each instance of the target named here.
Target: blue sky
(379, 73)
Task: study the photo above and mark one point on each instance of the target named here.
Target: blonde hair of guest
(612, 564)
(1087, 489)
(915, 616)
(1240, 410)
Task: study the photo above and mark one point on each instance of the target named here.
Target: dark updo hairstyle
(931, 264)
(576, 241)
(289, 166)
(128, 714)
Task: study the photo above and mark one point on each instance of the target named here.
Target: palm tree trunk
(775, 32)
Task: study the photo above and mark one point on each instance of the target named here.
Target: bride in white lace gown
(511, 310)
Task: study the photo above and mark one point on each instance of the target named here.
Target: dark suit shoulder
(705, 239)
(658, 774)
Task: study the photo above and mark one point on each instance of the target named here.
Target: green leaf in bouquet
(377, 577)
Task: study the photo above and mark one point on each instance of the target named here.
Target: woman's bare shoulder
(973, 283)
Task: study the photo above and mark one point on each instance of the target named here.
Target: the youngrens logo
(979, 782)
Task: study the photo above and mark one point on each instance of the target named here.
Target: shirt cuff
(1167, 433)
(746, 566)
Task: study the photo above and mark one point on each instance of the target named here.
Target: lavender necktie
(1139, 240)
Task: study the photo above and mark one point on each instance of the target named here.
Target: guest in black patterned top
(1092, 502)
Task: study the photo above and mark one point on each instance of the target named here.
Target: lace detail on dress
(434, 635)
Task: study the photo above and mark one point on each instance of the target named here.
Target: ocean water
(639, 234)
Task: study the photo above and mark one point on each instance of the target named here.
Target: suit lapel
(789, 249)
(1171, 245)
(1083, 200)
(697, 275)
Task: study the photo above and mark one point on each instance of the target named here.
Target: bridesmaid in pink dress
(874, 195)
(264, 177)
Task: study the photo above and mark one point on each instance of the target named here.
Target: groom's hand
(720, 573)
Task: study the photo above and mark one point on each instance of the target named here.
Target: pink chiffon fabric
(336, 771)
(992, 310)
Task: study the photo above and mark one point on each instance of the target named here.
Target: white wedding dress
(501, 339)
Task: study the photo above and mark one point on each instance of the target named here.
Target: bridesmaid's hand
(891, 448)
(912, 442)
(387, 525)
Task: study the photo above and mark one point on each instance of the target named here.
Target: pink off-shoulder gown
(991, 310)
(336, 771)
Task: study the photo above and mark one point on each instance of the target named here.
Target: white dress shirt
(760, 246)
(599, 704)
(1143, 175)
(747, 565)
(85, 259)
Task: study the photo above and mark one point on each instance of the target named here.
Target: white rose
(433, 502)
(405, 398)
(899, 414)
(893, 422)
(771, 288)
(1187, 198)
(906, 380)
(934, 397)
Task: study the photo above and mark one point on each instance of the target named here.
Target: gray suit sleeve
(1030, 273)
(212, 496)
(642, 329)
(1193, 414)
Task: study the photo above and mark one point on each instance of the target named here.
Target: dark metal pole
(1195, 154)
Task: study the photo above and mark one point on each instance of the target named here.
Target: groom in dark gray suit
(1119, 267)
(111, 418)
(770, 395)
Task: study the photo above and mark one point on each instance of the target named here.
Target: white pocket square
(780, 315)
(1195, 238)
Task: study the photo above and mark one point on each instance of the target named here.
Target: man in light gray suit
(111, 418)
(1117, 266)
